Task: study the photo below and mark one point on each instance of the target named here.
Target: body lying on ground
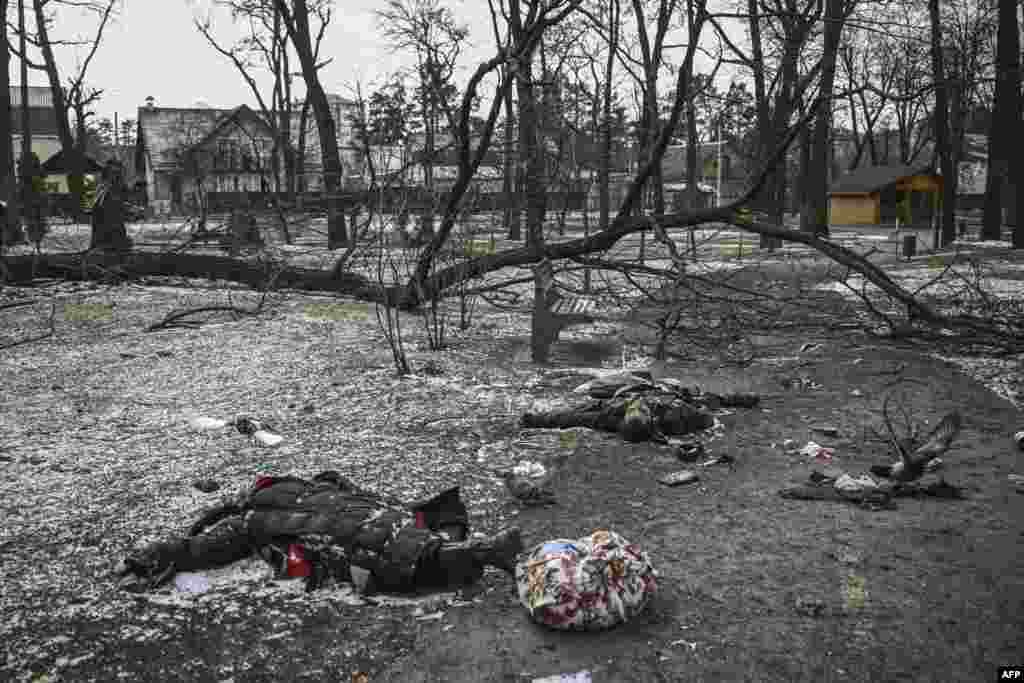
(642, 411)
(337, 526)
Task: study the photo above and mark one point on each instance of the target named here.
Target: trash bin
(909, 246)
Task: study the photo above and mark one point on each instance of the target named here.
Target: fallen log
(258, 274)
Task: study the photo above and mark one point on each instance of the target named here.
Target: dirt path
(944, 580)
(753, 587)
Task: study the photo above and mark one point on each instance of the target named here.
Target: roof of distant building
(874, 178)
(165, 131)
(62, 163)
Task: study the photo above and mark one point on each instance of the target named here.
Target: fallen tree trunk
(101, 265)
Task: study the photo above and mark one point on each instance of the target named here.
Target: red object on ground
(298, 565)
(421, 520)
(263, 482)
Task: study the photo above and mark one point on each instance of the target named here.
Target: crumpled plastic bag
(817, 451)
(849, 484)
(591, 583)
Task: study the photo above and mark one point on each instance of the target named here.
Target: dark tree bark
(509, 187)
(692, 189)
(295, 15)
(651, 52)
(605, 162)
(9, 225)
(942, 130)
(1001, 185)
(60, 105)
(108, 229)
(72, 97)
(814, 213)
(531, 149)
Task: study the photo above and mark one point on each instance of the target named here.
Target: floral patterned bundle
(592, 583)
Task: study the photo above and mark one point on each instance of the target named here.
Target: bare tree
(814, 211)
(787, 26)
(296, 16)
(8, 182)
(263, 46)
(430, 31)
(1003, 183)
(942, 133)
(614, 18)
(75, 95)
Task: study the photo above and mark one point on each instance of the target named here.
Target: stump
(242, 231)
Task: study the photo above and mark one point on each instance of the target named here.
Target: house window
(726, 166)
(223, 158)
(236, 183)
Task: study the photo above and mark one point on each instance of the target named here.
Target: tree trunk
(9, 221)
(429, 150)
(296, 20)
(300, 153)
(605, 161)
(1000, 189)
(508, 182)
(942, 135)
(108, 229)
(804, 180)
(531, 152)
(814, 214)
(61, 109)
(762, 108)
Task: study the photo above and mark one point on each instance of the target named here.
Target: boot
(458, 564)
(499, 550)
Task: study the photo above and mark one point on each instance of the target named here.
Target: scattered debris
(809, 346)
(529, 469)
(1018, 438)
(578, 677)
(606, 387)
(432, 368)
(433, 616)
(206, 485)
(360, 579)
(191, 582)
(802, 382)
(723, 459)
(810, 607)
(259, 430)
(690, 644)
(531, 491)
(689, 452)
(855, 485)
(679, 478)
(817, 452)
(864, 490)
(856, 393)
(827, 430)
(1017, 481)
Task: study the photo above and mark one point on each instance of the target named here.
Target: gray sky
(154, 49)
